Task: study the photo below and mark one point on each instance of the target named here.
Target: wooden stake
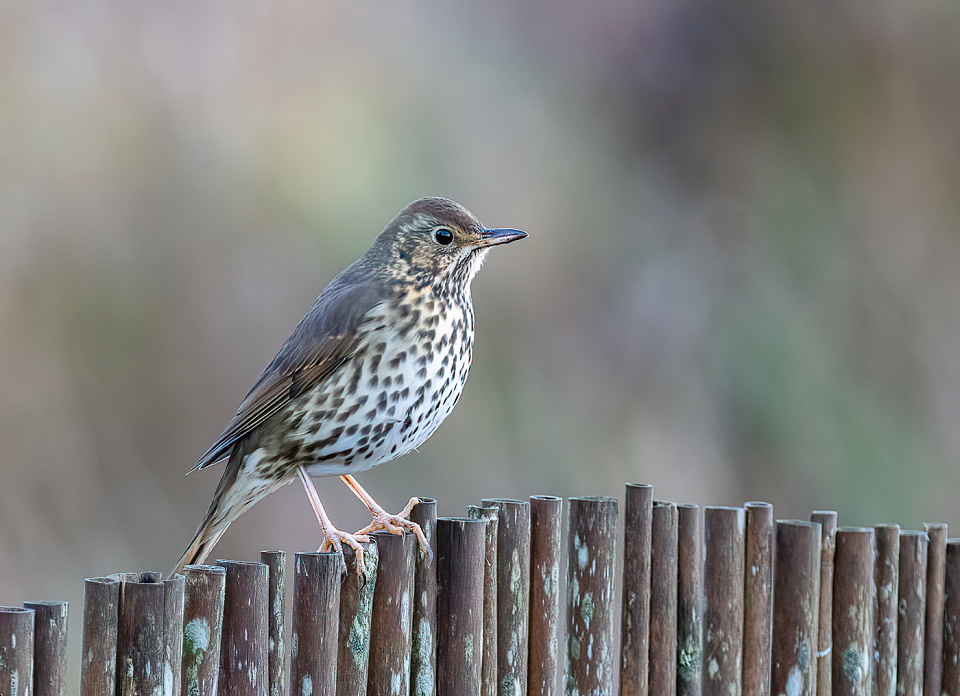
(390, 640)
(49, 648)
(689, 600)
(202, 626)
(758, 599)
(423, 664)
(316, 621)
(887, 574)
(244, 654)
(635, 614)
(546, 601)
(663, 599)
(98, 664)
(723, 609)
(853, 612)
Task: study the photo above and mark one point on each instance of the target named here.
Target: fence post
(276, 562)
(635, 613)
(757, 599)
(828, 530)
(887, 574)
(140, 634)
(591, 569)
(316, 605)
(689, 600)
(389, 666)
(98, 663)
(16, 650)
(913, 599)
(49, 648)
(933, 631)
(244, 658)
(423, 664)
(460, 570)
(723, 609)
(488, 668)
(663, 599)
(950, 683)
(796, 608)
(853, 614)
(546, 602)
(356, 615)
(202, 625)
(513, 593)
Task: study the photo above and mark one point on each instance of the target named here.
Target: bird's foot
(334, 540)
(397, 524)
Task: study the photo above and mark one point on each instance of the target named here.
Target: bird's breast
(393, 393)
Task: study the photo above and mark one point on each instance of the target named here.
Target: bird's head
(436, 241)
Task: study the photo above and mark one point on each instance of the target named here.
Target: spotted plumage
(369, 374)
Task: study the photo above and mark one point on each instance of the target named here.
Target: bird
(372, 370)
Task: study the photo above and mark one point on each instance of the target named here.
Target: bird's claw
(397, 524)
(334, 540)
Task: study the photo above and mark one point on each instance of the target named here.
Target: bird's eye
(443, 236)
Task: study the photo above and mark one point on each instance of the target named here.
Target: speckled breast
(394, 392)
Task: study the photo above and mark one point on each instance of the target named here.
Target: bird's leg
(395, 524)
(333, 538)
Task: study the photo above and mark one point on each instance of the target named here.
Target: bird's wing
(325, 337)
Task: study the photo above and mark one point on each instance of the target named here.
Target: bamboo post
(460, 572)
(591, 569)
(950, 683)
(853, 612)
(140, 634)
(423, 663)
(98, 664)
(912, 608)
(513, 593)
(689, 600)
(887, 574)
(635, 613)
(49, 648)
(796, 608)
(828, 529)
(663, 599)
(546, 602)
(757, 598)
(389, 666)
(16, 651)
(276, 562)
(244, 656)
(488, 668)
(202, 625)
(356, 614)
(723, 608)
(313, 638)
(933, 631)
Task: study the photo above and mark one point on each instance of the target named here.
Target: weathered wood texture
(723, 607)
(314, 634)
(513, 593)
(663, 599)
(16, 651)
(689, 600)
(757, 598)
(390, 641)
(276, 562)
(796, 608)
(950, 682)
(853, 612)
(98, 663)
(460, 567)
(933, 625)
(488, 669)
(50, 648)
(544, 665)
(356, 615)
(202, 626)
(886, 579)
(912, 610)
(635, 612)
(423, 660)
(591, 565)
(827, 519)
(244, 649)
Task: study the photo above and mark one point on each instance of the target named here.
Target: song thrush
(368, 375)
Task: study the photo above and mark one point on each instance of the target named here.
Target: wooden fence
(718, 600)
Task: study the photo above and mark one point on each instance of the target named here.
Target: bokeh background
(742, 279)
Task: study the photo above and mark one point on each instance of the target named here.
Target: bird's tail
(235, 494)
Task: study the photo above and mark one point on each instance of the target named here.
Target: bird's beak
(501, 235)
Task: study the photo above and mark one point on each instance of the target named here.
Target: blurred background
(742, 279)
